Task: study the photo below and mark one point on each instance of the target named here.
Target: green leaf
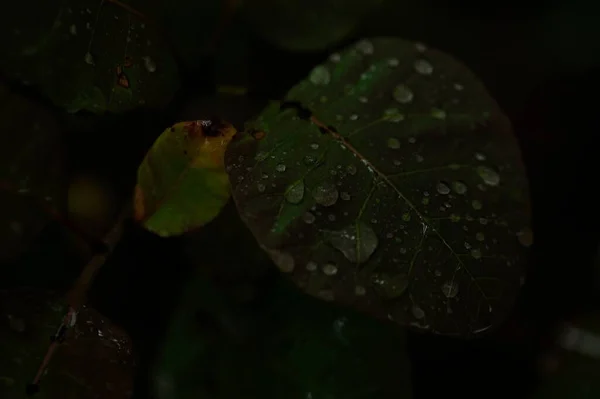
(182, 183)
(90, 54)
(287, 346)
(306, 25)
(31, 172)
(94, 362)
(391, 182)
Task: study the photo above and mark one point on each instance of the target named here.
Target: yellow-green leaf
(182, 183)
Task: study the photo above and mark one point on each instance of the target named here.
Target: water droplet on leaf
(459, 187)
(488, 175)
(308, 218)
(357, 242)
(295, 193)
(423, 67)
(330, 269)
(149, 64)
(450, 289)
(280, 167)
(283, 260)
(403, 94)
(325, 194)
(320, 75)
(442, 188)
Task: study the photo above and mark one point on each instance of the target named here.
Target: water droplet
(260, 187)
(479, 236)
(393, 115)
(488, 175)
(412, 140)
(295, 192)
(393, 143)
(308, 218)
(403, 94)
(311, 266)
(309, 160)
(442, 188)
(394, 286)
(351, 169)
(417, 312)
(477, 205)
(314, 146)
(423, 67)
(149, 64)
(365, 46)
(345, 196)
(525, 237)
(330, 269)
(438, 113)
(353, 117)
(325, 194)
(450, 289)
(320, 75)
(476, 253)
(479, 156)
(88, 58)
(459, 187)
(356, 242)
(280, 167)
(283, 260)
(363, 99)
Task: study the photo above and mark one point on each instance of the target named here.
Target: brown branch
(77, 296)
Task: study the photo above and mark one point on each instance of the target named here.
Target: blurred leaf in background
(94, 362)
(390, 181)
(32, 173)
(292, 347)
(301, 25)
(95, 55)
(574, 370)
(182, 183)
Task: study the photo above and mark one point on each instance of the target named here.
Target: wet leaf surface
(390, 181)
(93, 55)
(32, 170)
(182, 183)
(306, 25)
(287, 345)
(94, 362)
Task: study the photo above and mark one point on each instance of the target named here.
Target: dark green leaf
(31, 170)
(290, 346)
(77, 52)
(306, 25)
(391, 182)
(94, 362)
